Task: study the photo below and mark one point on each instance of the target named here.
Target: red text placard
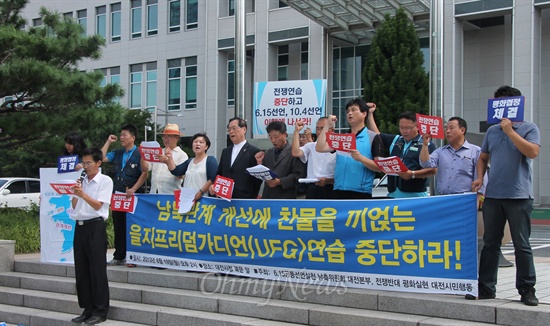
(341, 142)
(430, 125)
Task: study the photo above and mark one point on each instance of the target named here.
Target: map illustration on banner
(288, 101)
(56, 225)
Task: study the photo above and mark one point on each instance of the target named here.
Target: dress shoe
(481, 296)
(528, 297)
(95, 320)
(80, 319)
(116, 262)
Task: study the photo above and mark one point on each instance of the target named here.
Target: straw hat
(171, 129)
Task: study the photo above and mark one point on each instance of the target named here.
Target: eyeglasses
(407, 128)
(233, 128)
(87, 163)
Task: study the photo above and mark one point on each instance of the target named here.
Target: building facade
(176, 57)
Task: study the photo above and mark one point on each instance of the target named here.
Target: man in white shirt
(320, 165)
(92, 196)
(162, 181)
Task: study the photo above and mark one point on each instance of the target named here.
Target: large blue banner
(415, 245)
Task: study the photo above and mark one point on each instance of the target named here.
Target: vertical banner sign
(288, 101)
(56, 226)
(505, 107)
(423, 245)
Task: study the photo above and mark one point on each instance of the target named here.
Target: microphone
(82, 177)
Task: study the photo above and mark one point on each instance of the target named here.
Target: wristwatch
(414, 175)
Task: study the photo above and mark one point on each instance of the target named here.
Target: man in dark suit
(236, 159)
(279, 159)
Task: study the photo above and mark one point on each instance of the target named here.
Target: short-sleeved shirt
(99, 188)
(511, 173)
(456, 168)
(319, 164)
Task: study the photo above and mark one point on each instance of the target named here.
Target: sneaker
(528, 297)
(116, 262)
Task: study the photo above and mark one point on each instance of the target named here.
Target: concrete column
(7, 255)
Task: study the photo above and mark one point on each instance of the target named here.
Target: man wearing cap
(162, 181)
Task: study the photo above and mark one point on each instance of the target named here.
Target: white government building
(177, 56)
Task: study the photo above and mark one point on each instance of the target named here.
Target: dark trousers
(316, 192)
(346, 194)
(119, 225)
(92, 285)
(495, 214)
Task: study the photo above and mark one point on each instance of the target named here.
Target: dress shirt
(99, 188)
(456, 169)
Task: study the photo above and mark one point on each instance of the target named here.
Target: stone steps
(45, 294)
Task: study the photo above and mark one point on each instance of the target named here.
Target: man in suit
(236, 159)
(279, 159)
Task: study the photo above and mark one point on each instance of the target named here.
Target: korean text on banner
(288, 101)
(421, 245)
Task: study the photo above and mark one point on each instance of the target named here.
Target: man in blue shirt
(354, 175)
(511, 147)
(456, 161)
(130, 172)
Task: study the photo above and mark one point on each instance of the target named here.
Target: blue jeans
(495, 214)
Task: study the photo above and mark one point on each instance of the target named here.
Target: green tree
(393, 75)
(46, 96)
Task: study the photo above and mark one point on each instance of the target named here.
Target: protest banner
(412, 245)
(288, 101)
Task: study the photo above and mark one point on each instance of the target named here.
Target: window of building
(68, 15)
(82, 20)
(304, 61)
(174, 15)
(174, 84)
(37, 22)
(112, 76)
(231, 82)
(101, 21)
(192, 15)
(282, 63)
(136, 82)
(282, 4)
(151, 85)
(115, 22)
(231, 7)
(191, 83)
(188, 81)
(136, 18)
(152, 17)
(346, 82)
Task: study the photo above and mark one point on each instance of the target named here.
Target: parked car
(19, 192)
